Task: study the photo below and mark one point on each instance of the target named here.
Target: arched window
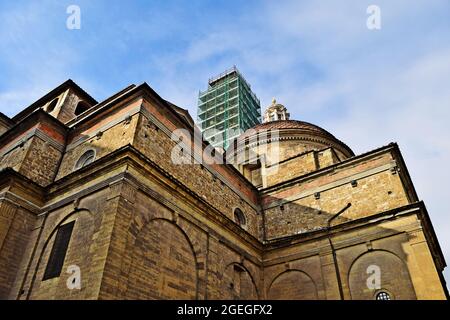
(383, 295)
(87, 158)
(52, 105)
(239, 217)
(81, 107)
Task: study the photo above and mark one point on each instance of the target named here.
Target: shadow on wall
(358, 264)
(165, 256)
(32, 284)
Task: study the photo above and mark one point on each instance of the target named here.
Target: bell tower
(65, 102)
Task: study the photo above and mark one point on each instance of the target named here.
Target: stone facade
(148, 228)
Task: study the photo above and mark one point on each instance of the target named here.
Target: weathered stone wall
(292, 285)
(292, 168)
(34, 148)
(286, 148)
(294, 272)
(85, 250)
(162, 263)
(327, 157)
(66, 110)
(36, 159)
(151, 256)
(389, 247)
(159, 253)
(16, 225)
(15, 157)
(308, 204)
(41, 162)
(158, 146)
(274, 152)
(108, 141)
(306, 270)
(229, 275)
(299, 165)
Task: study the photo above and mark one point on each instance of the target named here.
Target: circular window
(239, 217)
(383, 295)
(87, 158)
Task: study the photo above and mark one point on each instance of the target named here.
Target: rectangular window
(58, 253)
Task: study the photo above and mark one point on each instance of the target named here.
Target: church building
(93, 206)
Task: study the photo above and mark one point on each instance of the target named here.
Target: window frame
(239, 217)
(58, 253)
(389, 295)
(79, 164)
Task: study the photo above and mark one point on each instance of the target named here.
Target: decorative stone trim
(196, 157)
(329, 186)
(325, 141)
(103, 128)
(36, 132)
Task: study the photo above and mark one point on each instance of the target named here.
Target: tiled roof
(287, 124)
(301, 126)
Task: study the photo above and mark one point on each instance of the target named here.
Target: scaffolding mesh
(227, 108)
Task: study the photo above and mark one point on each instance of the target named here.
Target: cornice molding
(36, 132)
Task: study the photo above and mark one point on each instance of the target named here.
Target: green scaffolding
(227, 106)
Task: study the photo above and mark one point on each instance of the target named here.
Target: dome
(291, 132)
(286, 124)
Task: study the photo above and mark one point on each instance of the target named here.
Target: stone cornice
(328, 169)
(293, 134)
(414, 208)
(36, 132)
(37, 117)
(332, 185)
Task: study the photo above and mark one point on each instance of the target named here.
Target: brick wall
(84, 251)
(110, 140)
(309, 204)
(67, 108)
(15, 157)
(15, 229)
(158, 253)
(146, 236)
(41, 162)
(158, 146)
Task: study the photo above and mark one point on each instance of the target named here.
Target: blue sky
(316, 57)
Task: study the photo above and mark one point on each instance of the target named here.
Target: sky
(318, 58)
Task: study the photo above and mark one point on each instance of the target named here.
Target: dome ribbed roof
(301, 127)
(286, 124)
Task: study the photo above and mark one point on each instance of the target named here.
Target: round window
(87, 158)
(239, 217)
(383, 295)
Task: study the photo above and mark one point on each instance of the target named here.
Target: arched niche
(393, 275)
(163, 263)
(238, 283)
(292, 285)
